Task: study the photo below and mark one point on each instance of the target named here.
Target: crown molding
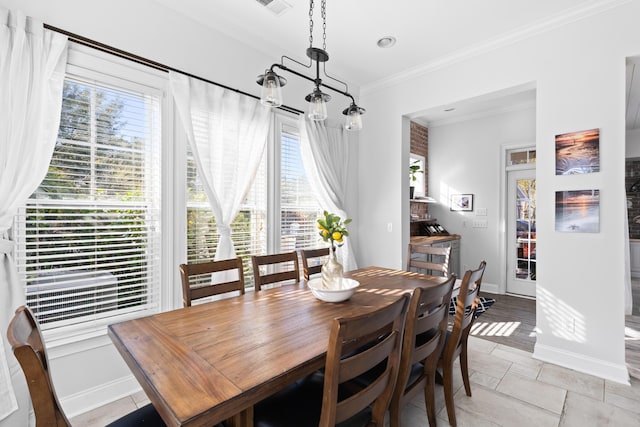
(479, 114)
(566, 17)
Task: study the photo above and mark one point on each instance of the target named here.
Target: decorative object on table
(414, 169)
(271, 82)
(346, 290)
(578, 152)
(334, 230)
(461, 202)
(578, 211)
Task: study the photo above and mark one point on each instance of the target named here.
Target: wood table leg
(242, 419)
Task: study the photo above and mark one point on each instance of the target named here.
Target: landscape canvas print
(578, 152)
(578, 211)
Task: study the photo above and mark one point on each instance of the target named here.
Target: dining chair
(206, 279)
(356, 345)
(424, 337)
(26, 340)
(312, 261)
(275, 269)
(456, 342)
(433, 259)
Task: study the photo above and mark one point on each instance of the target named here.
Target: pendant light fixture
(271, 94)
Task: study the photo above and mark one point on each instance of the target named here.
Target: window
(89, 245)
(248, 230)
(521, 156)
(417, 178)
(299, 208)
(292, 212)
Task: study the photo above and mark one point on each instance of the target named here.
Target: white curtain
(325, 155)
(32, 66)
(227, 132)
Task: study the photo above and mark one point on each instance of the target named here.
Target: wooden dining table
(211, 362)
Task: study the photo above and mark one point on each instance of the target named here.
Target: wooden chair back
(456, 344)
(312, 261)
(285, 265)
(201, 280)
(467, 301)
(431, 258)
(424, 337)
(357, 345)
(27, 343)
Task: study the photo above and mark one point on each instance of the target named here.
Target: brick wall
(632, 175)
(419, 136)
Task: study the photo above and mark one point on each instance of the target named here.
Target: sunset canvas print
(578, 152)
(578, 211)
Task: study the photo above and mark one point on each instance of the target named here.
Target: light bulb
(271, 94)
(317, 106)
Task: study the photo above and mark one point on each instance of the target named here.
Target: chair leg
(447, 373)
(394, 414)
(464, 369)
(430, 400)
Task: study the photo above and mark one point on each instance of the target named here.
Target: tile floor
(509, 387)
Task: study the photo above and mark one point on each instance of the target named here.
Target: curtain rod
(148, 62)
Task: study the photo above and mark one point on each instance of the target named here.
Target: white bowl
(345, 292)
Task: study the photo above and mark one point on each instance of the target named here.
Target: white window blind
(299, 209)
(89, 245)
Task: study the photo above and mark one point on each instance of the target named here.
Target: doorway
(521, 231)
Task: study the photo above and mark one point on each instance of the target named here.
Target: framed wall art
(578, 211)
(578, 152)
(461, 202)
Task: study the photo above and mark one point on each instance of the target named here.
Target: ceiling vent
(277, 7)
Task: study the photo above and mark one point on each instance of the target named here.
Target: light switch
(481, 212)
(479, 223)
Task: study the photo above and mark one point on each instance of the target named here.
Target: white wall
(91, 373)
(579, 74)
(633, 144)
(464, 158)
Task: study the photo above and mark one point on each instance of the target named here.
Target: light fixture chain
(324, 24)
(311, 23)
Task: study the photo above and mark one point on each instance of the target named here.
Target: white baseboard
(490, 288)
(101, 395)
(579, 362)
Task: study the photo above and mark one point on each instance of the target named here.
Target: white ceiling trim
(569, 16)
(480, 114)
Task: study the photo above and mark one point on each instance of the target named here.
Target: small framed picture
(461, 202)
(578, 211)
(578, 152)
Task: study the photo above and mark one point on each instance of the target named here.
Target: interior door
(521, 232)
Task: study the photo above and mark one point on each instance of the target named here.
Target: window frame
(92, 66)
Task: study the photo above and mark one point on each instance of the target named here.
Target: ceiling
(428, 32)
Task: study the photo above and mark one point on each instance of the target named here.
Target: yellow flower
(332, 228)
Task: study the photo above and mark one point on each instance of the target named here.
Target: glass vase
(332, 272)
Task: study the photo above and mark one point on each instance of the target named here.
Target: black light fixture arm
(317, 81)
(272, 82)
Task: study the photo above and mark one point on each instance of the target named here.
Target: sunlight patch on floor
(494, 329)
(631, 334)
